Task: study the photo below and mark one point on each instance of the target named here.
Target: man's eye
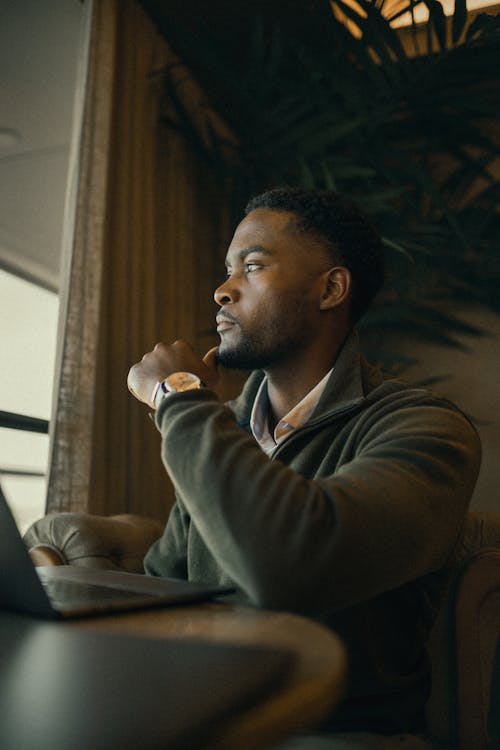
(252, 266)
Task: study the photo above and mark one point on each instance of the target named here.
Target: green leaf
(328, 176)
(484, 25)
(459, 19)
(437, 20)
(398, 247)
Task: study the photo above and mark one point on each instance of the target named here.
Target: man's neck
(289, 383)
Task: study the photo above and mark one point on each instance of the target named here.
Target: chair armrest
(112, 542)
(43, 555)
(479, 580)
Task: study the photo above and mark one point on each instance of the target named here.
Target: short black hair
(348, 234)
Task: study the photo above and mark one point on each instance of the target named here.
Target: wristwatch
(174, 383)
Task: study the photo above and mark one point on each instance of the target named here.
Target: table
(308, 694)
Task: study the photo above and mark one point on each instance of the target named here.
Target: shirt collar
(296, 417)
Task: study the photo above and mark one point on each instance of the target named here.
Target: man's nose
(226, 292)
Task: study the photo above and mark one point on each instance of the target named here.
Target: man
(323, 489)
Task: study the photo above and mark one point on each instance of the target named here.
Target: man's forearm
(387, 516)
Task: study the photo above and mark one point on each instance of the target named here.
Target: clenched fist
(166, 359)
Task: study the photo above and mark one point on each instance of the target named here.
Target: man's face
(270, 299)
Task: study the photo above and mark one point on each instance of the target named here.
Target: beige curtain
(150, 229)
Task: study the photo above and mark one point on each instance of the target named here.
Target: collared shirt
(296, 417)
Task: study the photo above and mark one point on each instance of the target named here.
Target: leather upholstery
(112, 542)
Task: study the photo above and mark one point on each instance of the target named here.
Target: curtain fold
(151, 230)
(74, 391)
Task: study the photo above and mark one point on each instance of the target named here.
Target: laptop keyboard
(66, 594)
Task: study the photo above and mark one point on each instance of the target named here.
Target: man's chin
(231, 361)
(238, 360)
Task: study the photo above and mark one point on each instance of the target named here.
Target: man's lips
(224, 325)
(224, 322)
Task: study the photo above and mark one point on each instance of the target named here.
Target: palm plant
(405, 127)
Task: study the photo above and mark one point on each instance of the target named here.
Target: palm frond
(315, 101)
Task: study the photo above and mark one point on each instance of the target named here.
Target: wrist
(155, 393)
(176, 382)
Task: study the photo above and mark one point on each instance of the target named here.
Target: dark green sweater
(354, 520)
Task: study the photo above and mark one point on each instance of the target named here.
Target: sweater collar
(344, 388)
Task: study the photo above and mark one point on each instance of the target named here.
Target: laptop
(66, 591)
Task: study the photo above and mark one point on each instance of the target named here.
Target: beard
(276, 342)
(248, 355)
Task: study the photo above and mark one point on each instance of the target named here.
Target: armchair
(110, 542)
(463, 640)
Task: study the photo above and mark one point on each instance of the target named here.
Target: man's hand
(166, 359)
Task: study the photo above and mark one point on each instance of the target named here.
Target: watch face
(182, 381)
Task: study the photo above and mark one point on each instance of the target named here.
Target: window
(28, 326)
(43, 62)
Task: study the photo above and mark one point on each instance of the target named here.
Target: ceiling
(39, 46)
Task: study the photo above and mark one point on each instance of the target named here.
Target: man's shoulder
(379, 386)
(398, 399)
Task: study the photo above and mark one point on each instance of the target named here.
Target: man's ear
(337, 287)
